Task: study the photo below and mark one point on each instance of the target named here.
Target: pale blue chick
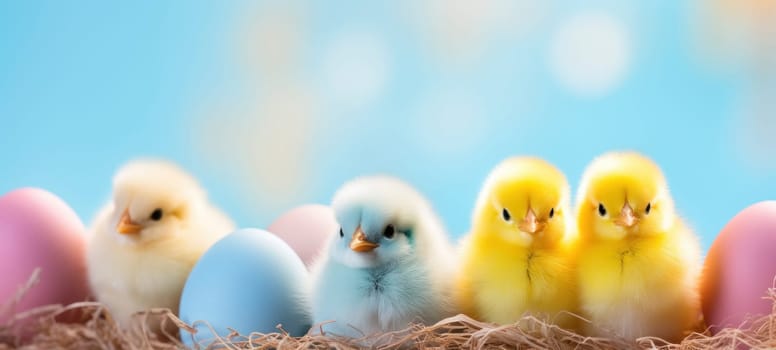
(389, 265)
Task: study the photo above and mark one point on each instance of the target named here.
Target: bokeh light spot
(356, 68)
(590, 53)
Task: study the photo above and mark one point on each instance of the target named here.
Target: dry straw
(97, 330)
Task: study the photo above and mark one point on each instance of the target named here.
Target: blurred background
(276, 104)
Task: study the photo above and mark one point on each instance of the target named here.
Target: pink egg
(306, 229)
(740, 267)
(38, 230)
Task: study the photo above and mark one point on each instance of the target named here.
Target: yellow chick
(638, 263)
(145, 242)
(518, 258)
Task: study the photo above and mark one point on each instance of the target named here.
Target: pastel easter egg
(740, 267)
(250, 281)
(40, 232)
(306, 229)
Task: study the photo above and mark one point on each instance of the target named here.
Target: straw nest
(47, 329)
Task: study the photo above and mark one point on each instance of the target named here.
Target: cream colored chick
(147, 239)
(639, 264)
(518, 259)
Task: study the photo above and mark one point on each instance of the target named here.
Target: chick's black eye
(601, 209)
(342, 233)
(648, 208)
(156, 215)
(389, 231)
(505, 214)
(552, 212)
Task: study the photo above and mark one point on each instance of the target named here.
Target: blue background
(273, 105)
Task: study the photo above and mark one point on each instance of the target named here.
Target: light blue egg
(249, 281)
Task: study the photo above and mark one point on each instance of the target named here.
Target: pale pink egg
(39, 231)
(306, 229)
(740, 267)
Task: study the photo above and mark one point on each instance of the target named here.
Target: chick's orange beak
(360, 244)
(126, 226)
(530, 224)
(627, 218)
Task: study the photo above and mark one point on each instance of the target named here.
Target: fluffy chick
(518, 258)
(639, 264)
(147, 239)
(387, 266)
